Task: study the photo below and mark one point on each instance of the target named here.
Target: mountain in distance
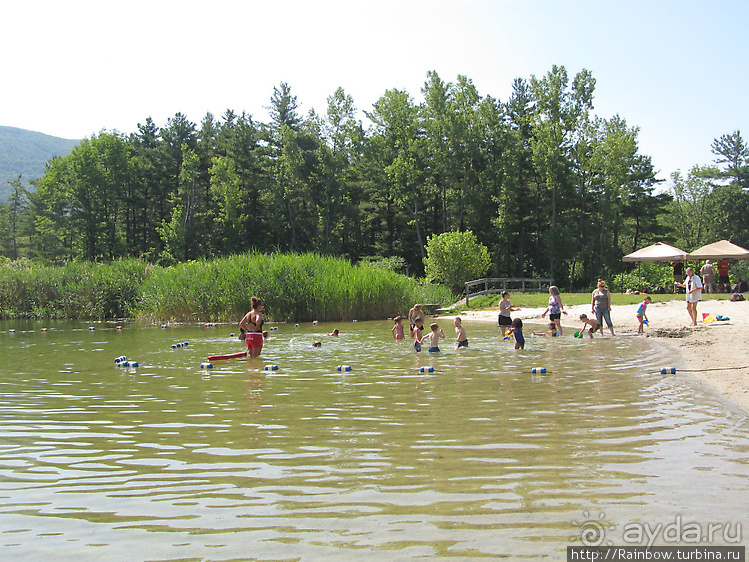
(25, 153)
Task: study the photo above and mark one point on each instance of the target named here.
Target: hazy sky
(674, 68)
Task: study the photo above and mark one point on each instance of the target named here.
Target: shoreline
(715, 354)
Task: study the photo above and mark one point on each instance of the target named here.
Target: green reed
(294, 287)
(79, 290)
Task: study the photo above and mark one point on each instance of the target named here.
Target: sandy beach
(714, 354)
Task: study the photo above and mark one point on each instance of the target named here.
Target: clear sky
(677, 69)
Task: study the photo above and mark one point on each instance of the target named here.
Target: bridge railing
(492, 285)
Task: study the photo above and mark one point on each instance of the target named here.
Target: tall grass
(294, 287)
(80, 290)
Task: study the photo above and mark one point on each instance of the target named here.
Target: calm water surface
(479, 459)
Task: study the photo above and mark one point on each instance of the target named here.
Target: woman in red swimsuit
(252, 326)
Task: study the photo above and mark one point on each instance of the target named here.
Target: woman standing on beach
(600, 305)
(251, 327)
(693, 286)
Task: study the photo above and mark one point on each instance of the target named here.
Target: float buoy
(206, 365)
(271, 367)
(344, 367)
(668, 371)
(538, 370)
(427, 369)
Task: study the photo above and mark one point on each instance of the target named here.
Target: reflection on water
(480, 458)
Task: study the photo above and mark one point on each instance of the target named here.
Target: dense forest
(549, 187)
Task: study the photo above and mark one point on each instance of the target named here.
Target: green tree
(12, 216)
(560, 113)
(339, 151)
(179, 233)
(517, 198)
(689, 213)
(733, 152)
(454, 258)
(395, 190)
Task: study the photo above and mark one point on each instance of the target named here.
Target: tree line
(551, 189)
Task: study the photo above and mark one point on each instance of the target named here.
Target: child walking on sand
(642, 318)
(593, 323)
(516, 329)
(398, 328)
(460, 333)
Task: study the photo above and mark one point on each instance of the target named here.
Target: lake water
(480, 458)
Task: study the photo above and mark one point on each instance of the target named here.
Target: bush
(645, 275)
(454, 258)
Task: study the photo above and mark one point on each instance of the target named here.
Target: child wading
(593, 323)
(434, 338)
(460, 333)
(641, 316)
(516, 329)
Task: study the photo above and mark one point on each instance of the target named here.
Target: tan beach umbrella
(657, 252)
(718, 250)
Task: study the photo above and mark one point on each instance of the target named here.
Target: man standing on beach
(725, 284)
(708, 277)
(694, 293)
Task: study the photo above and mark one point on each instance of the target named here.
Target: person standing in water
(517, 330)
(416, 321)
(397, 328)
(460, 333)
(555, 308)
(600, 305)
(251, 327)
(504, 320)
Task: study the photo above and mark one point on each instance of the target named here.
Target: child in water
(334, 333)
(460, 333)
(642, 318)
(417, 335)
(552, 331)
(593, 323)
(516, 329)
(398, 328)
(434, 337)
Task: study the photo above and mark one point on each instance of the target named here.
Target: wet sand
(716, 354)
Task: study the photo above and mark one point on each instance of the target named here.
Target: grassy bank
(295, 287)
